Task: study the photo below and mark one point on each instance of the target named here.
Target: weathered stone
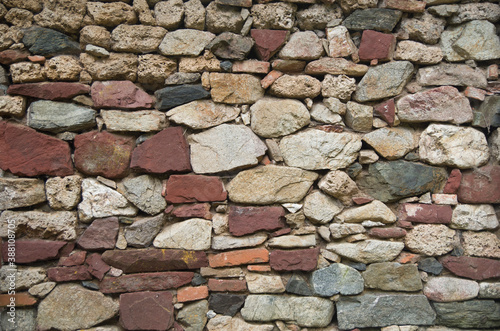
(119, 94)
(393, 143)
(19, 17)
(392, 276)
(472, 267)
(233, 258)
(136, 38)
(397, 74)
(25, 319)
(194, 15)
(157, 281)
(21, 192)
(335, 66)
(179, 78)
(300, 86)
(187, 42)
(320, 208)
(116, 67)
(369, 251)
(63, 68)
(270, 184)
(335, 279)
(339, 185)
(235, 88)
(146, 311)
(12, 105)
(226, 323)
(208, 62)
(468, 314)
(248, 220)
(26, 72)
(59, 117)
(95, 35)
(474, 217)
(451, 74)
(376, 310)
(489, 290)
(338, 231)
(258, 283)
(322, 113)
(359, 117)
(379, 19)
(41, 290)
(220, 18)
(29, 251)
(193, 317)
(67, 274)
(142, 232)
(193, 234)
(480, 186)
(447, 289)
(294, 260)
(302, 46)
(226, 304)
(376, 46)
(49, 91)
(292, 241)
(187, 294)
(202, 114)
(305, 311)
(340, 87)
(47, 42)
(231, 46)
(430, 239)
(111, 14)
(225, 242)
(350, 5)
(424, 28)
(488, 113)
(408, 50)
(197, 210)
(144, 192)
(375, 211)
(96, 266)
(482, 244)
(279, 16)
(153, 69)
(137, 121)
(267, 42)
(476, 11)
(425, 213)
(25, 277)
(101, 234)
(430, 265)
(10, 56)
(340, 42)
(411, 6)
(182, 189)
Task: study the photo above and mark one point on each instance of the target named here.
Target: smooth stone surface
(144, 192)
(267, 42)
(186, 188)
(157, 281)
(338, 231)
(319, 208)
(474, 217)
(119, 95)
(368, 251)
(143, 231)
(170, 97)
(185, 42)
(235, 88)
(248, 220)
(29, 251)
(21, 192)
(335, 279)
(202, 114)
(480, 186)
(225, 242)
(146, 311)
(49, 90)
(294, 260)
(292, 241)
(392, 276)
(48, 42)
(430, 239)
(449, 289)
(258, 283)
(472, 267)
(468, 314)
(226, 304)
(101, 234)
(137, 121)
(379, 19)
(392, 143)
(302, 45)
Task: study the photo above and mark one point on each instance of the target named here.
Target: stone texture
(320, 208)
(96, 35)
(136, 38)
(270, 184)
(321, 113)
(119, 95)
(143, 231)
(153, 69)
(474, 217)
(117, 66)
(49, 90)
(379, 19)
(338, 231)
(468, 314)
(101, 234)
(451, 74)
(376, 46)
(305, 311)
(488, 113)
(193, 234)
(225, 148)
(21, 192)
(430, 265)
(63, 193)
(424, 28)
(208, 62)
(227, 285)
(292, 241)
(239, 257)
(267, 42)
(248, 220)
(220, 19)
(144, 192)
(231, 46)
(302, 46)
(48, 42)
(480, 186)
(59, 117)
(194, 316)
(137, 121)
(146, 311)
(340, 87)
(393, 143)
(335, 66)
(111, 14)
(29, 251)
(294, 260)
(448, 289)
(340, 42)
(425, 213)
(70, 306)
(411, 6)
(369, 251)
(258, 283)
(225, 242)
(392, 276)
(335, 279)
(375, 211)
(26, 72)
(489, 290)
(387, 233)
(278, 16)
(482, 244)
(226, 304)
(408, 50)
(158, 281)
(68, 274)
(25, 320)
(430, 239)
(182, 189)
(235, 88)
(299, 86)
(12, 105)
(359, 117)
(185, 42)
(24, 278)
(339, 185)
(202, 114)
(471, 267)
(63, 68)
(194, 15)
(187, 294)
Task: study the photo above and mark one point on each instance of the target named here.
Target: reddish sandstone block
(376, 46)
(146, 311)
(294, 260)
(424, 213)
(155, 281)
(22, 299)
(191, 293)
(251, 66)
(96, 266)
(247, 220)
(67, 274)
(227, 285)
(77, 258)
(193, 188)
(49, 90)
(387, 233)
(267, 42)
(201, 210)
(480, 185)
(453, 183)
(120, 95)
(476, 268)
(386, 111)
(239, 257)
(29, 251)
(270, 78)
(10, 56)
(101, 234)
(259, 268)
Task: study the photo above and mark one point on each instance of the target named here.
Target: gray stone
(489, 290)
(451, 74)
(58, 117)
(379, 19)
(322, 113)
(424, 28)
(430, 265)
(319, 208)
(258, 283)
(317, 16)
(180, 78)
(25, 320)
(223, 18)
(193, 234)
(375, 211)
(359, 117)
(298, 284)
(476, 11)
(468, 314)
(225, 242)
(494, 142)
(369, 251)
(224, 148)
(21, 192)
(41, 290)
(384, 81)
(202, 114)
(47, 42)
(393, 276)
(447, 289)
(338, 231)
(144, 192)
(304, 311)
(63, 193)
(474, 217)
(193, 317)
(170, 97)
(169, 14)
(392, 143)
(303, 45)
(185, 42)
(378, 310)
(277, 16)
(143, 231)
(25, 277)
(488, 113)
(137, 121)
(430, 239)
(335, 279)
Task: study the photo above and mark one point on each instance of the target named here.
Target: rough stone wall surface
(249, 165)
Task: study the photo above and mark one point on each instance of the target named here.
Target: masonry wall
(238, 165)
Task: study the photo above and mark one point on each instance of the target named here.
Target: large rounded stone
(446, 289)
(392, 276)
(203, 114)
(300, 87)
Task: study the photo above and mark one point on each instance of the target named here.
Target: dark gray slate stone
(379, 19)
(226, 304)
(356, 265)
(58, 117)
(335, 279)
(198, 280)
(488, 113)
(170, 97)
(430, 265)
(90, 285)
(25, 320)
(379, 310)
(390, 181)
(143, 231)
(299, 285)
(48, 42)
(354, 170)
(468, 314)
(231, 46)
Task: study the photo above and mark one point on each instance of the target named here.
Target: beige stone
(116, 67)
(481, 244)
(258, 283)
(223, 18)
(26, 72)
(278, 15)
(228, 323)
(154, 69)
(21, 18)
(63, 68)
(300, 87)
(137, 121)
(63, 193)
(340, 87)
(25, 277)
(339, 185)
(375, 211)
(193, 234)
(418, 53)
(194, 15)
(95, 35)
(368, 251)
(63, 15)
(136, 38)
(338, 231)
(31, 5)
(392, 143)
(235, 88)
(12, 105)
(203, 114)
(430, 239)
(142, 10)
(169, 14)
(185, 42)
(199, 64)
(359, 117)
(293, 241)
(340, 42)
(111, 14)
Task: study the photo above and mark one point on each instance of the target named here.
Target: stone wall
(229, 165)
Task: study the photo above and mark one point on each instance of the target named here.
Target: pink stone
(444, 199)
(492, 73)
(227, 285)
(268, 42)
(387, 233)
(476, 268)
(195, 188)
(10, 56)
(361, 200)
(453, 182)
(120, 95)
(424, 213)
(480, 185)
(156, 281)
(146, 311)
(37, 58)
(25, 152)
(103, 154)
(387, 111)
(281, 232)
(166, 151)
(475, 93)
(29, 251)
(77, 258)
(49, 90)
(247, 220)
(68, 274)
(410, 6)
(376, 45)
(294, 260)
(201, 210)
(101, 234)
(251, 66)
(97, 267)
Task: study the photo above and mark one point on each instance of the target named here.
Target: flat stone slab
(379, 19)
(147, 311)
(186, 188)
(157, 281)
(294, 260)
(49, 90)
(468, 314)
(21, 192)
(368, 251)
(248, 220)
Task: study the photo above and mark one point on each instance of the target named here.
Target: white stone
(430, 239)
(185, 42)
(228, 323)
(368, 251)
(481, 244)
(375, 211)
(63, 193)
(292, 241)
(367, 156)
(449, 289)
(203, 114)
(321, 113)
(144, 192)
(320, 208)
(303, 45)
(340, 42)
(224, 242)
(258, 283)
(419, 53)
(338, 231)
(193, 234)
(12, 105)
(392, 143)
(220, 223)
(340, 87)
(445, 199)
(136, 121)
(474, 217)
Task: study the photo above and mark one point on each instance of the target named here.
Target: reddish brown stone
(246, 220)
(22, 299)
(166, 151)
(193, 188)
(191, 293)
(120, 95)
(103, 154)
(376, 45)
(239, 257)
(67, 249)
(96, 266)
(387, 233)
(25, 152)
(410, 6)
(288, 66)
(453, 182)
(68, 274)
(155, 281)
(77, 258)
(101, 234)
(49, 91)
(227, 285)
(281, 232)
(361, 200)
(424, 213)
(146, 311)
(268, 42)
(407, 257)
(386, 111)
(150, 260)
(480, 185)
(476, 268)
(10, 56)
(259, 268)
(201, 210)
(404, 224)
(294, 260)
(29, 251)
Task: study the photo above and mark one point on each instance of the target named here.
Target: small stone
(379, 19)
(488, 113)
(187, 294)
(231, 46)
(447, 289)
(335, 279)
(419, 53)
(26, 72)
(340, 42)
(41, 290)
(368, 251)
(251, 66)
(187, 42)
(119, 94)
(29, 251)
(198, 210)
(116, 67)
(445, 199)
(374, 211)
(402, 140)
(411, 6)
(267, 42)
(294, 260)
(425, 213)
(430, 239)
(194, 15)
(335, 66)
(180, 78)
(424, 28)
(193, 316)
(392, 276)
(63, 68)
(320, 208)
(339, 185)
(300, 87)
(201, 63)
(293, 241)
(111, 14)
(239, 257)
(235, 272)
(181, 235)
(225, 242)
(340, 87)
(12, 105)
(338, 231)
(302, 46)
(95, 35)
(430, 265)
(489, 290)
(235, 88)
(144, 192)
(142, 232)
(277, 16)
(451, 74)
(63, 193)
(248, 220)
(22, 192)
(101, 234)
(24, 278)
(482, 244)
(376, 46)
(137, 121)
(359, 117)
(226, 304)
(146, 311)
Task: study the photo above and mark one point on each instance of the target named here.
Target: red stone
(453, 182)
(227, 285)
(410, 6)
(166, 151)
(361, 200)
(193, 188)
(96, 266)
(120, 95)
(376, 45)
(387, 233)
(294, 260)
(201, 210)
(407, 258)
(29, 251)
(155, 281)
(146, 311)
(476, 268)
(67, 249)
(288, 66)
(101, 234)
(480, 185)
(267, 42)
(281, 232)
(22, 299)
(239, 257)
(25, 152)
(77, 258)
(10, 56)
(247, 220)
(103, 154)
(270, 78)
(424, 213)
(386, 111)
(259, 268)
(404, 224)
(49, 91)
(191, 293)
(150, 260)
(68, 274)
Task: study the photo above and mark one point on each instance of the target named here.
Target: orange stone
(22, 299)
(405, 258)
(259, 268)
(227, 285)
(251, 67)
(234, 258)
(191, 293)
(270, 78)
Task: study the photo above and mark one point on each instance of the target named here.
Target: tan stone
(339, 185)
(95, 35)
(194, 15)
(63, 193)
(418, 53)
(137, 121)
(203, 114)
(27, 72)
(359, 117)
(199, 64)
(277, 15)
(340, 42)
(136, 38)
(142, 10)
(430, 239)
(21, 18)
(169, 14)
(375, 211)
(392, 143)
(63, 68)
(154, 68)
(62, 15)
(31, 5)
(335, 66)
(235, 88)
(116, 67)
(300, 86)
(223, 18)
(111, 14)
(340, 87)
(12, 105)
(481, 244)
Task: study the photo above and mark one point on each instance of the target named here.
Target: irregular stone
(41, 290)
(379, 19)
(153, 69)
(142, 232)
(166, 151)
(194, 316)
(157, 281)
(137, 121)
(231, 46)
(227, 285)
(375, 211)
(430, 265)
(451, 74)
(95, 35)
(425, 213)
(115, 67)
(47, 42)
(24, 278)
(369, 251)
(321, 113)
(136, 38)
(279, 16)
(63, 68)
(300, 86)
(350, 5)
(194, 15)
(488, 113)
(180, 78)
(96, 266)
(12, 105)
(339, 185)
(376, 46)
(63, 193)
(59, 117)
(144, 192)
(320, 208)
(338, 231)
(335, 66)
(376, 310)
(187, 294)
(474, 217)
(471, 267)
(267, 42)
(482, 244)
(146, 311)
(193, 234)
(248, 220)
(411, 6)
(392, 276)
(203, 114)
(489, 290)
(294, 260)
(340, 87)
(393, 143)
(26, 72)
(258, 283)
(111, 14)
(430, 239)
(225, 242)
(468, 314)
(119, 94)
(494, 142)
(340, 42)
(453, 146)
(424, 28)
(186, 42)
(239, 257)
(21, 192)
(186, 188)
(197, 210)
(447, 289)
(25, 319)
(408, 50)
(22, 299)
(235, 88)
(397, 74)
(226, 304)
(10, 56)
(67, 274)
(302, 46)
(48, 90)
(480, 186)
(220, 18)
(198, 64)
(359, 117)
(235, 272)
(293, 241)
(387, 233)
(335, 279)
(101, 234)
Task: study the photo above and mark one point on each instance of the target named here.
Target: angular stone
(225, 242)
(136, 38)
(453, 146)
(430, 239)
(21, 192)
(25, 152)
(12, 105)
(235, 88)
(474, 217)
(226, 304)
(157, 281)
(411, 6)
(220, 18)
(451, 74)
(468, 314)
(340, 42)
(49, 90)
(397, 74)
(67, 274)
(375, 211)
(424, 28)
(96, 266)
(153, 260)
(144, 192)
(302, 46)
(179, 78)
(482, 244)
(137, 121)
(408, 50)
(258, 283)
(320, 208)
(24, 278)
(203, 114)
(70, 306)
(267, 42)
(339, 185)
(377, 310)
(369, 251)
(193, 316)
(194, 15)
(101, 234)
(376, 46)
(119, 95)
(294, 260)
(200, 63)
(472, 267)
(187, 294)
(392, 276)
(248, 220)
(338, 231)
(335, 279)
(424, 213)
(441, 104)
(186, 188)
(142, 232)
(270, 184)
(447, 289)
(48, 42)
(279, 16)
(335, 66)
(153, 69)
(402, 140)
(95, 35)
(239, 257)
(234, 272)
(480, 186)
(193, 234)
(10, 56)
(111, 14)
(476, 11)
(25, 319)
(340, 87)
(359, 117)
(488, 113)
(146, 311)
(379, 19)
(430, 265)
(117, 66)
(197, 210)
(300, 86)
(185, 42)
(321, 113)
(231, 46)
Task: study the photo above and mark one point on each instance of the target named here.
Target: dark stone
(228, 45)
(267, 42)
(299, 285)
(90, 285)
(354, 170)
(488, 113)
(10, 56)
(170, 97)
(101, 234)
(146, 311)
(480, 185)
(391, 181)
(68, 274)
(198, 280)
(247, 220)
(430, 265)
(480, 314)
(337, 278)
(294, 260)
(49, 90)
(356, 265)
(155, 281)
(195, 188)
(226, 304)
(48, 42)
(29, 251)
(96, 266)
(379, 19)
(424, 213)
(226, 66)
(476, 268)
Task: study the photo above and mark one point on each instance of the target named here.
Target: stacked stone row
(238, 165)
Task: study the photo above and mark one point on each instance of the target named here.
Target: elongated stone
(472, 267)
(203, 114)
(185, 42)
(49, 90)
(335, 66)
(468, 314)
(248, 220)
(22, 192)
(193, 234)
(157, 281)
(294, 260)
(335, 279)
(368, 251)
(375, 211)
(379, 19)
(430, 239)
(446, 289)
(29, 251)
(137, 121)
(186, 188)
(170, 97)
(120, 94)
(392, 276)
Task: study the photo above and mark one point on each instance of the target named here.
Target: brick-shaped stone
(68, 274)
(480, 185)
(247, 220)
(120, 95)
(376, 46)
(227, 285)
(424, 213)
(156, 281)
(192, 293)
(29, 251)
(146, 311)
(476, 268)
(193, 188)
(49, 90)
(239, 257)
(294, 260)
